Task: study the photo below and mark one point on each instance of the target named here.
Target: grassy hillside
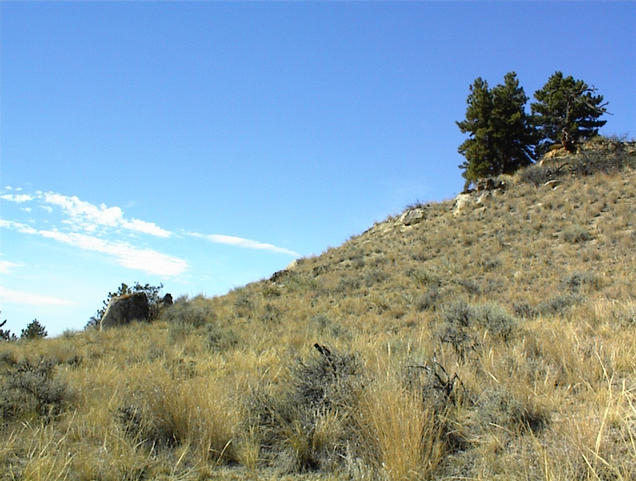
(492, 338)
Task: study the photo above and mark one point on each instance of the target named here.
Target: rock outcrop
(122, 310)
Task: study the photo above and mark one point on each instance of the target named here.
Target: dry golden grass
(537, 382)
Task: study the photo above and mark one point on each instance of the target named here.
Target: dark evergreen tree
(34, 330)
(501, 135)
(6, 334)
(566, 112)
(477, 149)
(513, 129)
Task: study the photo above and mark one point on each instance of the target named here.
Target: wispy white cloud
(244, 243)
(89, 217)
(31, 298)
(18, 198)
(125, 254)
(6, 266)
(17, 226)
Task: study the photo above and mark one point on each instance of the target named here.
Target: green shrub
(347, 285)
(219, 339)
(496, 320)
(577, 280)
(428, 300)
(499, 407)
(194, 313)
(525, 310)
(322, 388)
(460, 320)
(558, 304)
(143, 428)
(424, 277)
(375, 276)
(271, 314)
(576, 233)
(30, 389)
(321, 324)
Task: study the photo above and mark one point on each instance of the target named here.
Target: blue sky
(205, 145)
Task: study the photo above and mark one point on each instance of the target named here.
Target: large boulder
(413, 216)
(122, 310)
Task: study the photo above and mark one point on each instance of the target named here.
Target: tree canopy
(566, 111)
(501, 135)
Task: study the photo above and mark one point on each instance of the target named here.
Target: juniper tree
(566, 111)
(501, 135)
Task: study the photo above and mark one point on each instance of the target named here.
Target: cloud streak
(18, 198)
(88, 216)
(31, 298)
(102, 229)
(125, 254)
(244, 243)
(6, 266)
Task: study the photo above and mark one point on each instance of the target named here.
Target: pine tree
(34, 330)
(501, 135)
(513, 128)
(566, 112)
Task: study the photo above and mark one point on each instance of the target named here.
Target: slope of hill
(488, 337)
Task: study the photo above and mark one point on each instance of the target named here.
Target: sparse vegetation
(492, 344)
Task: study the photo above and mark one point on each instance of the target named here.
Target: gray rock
(413, 216)
(122, 310)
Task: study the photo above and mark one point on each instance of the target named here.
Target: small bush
(219, 339)
(243, 305)
(499, 407)
(428, 300)
(30, 389)
(497, 320)
(271, 315)
(424, 277)
(460, 319)
(323, 325)
(194, 313)
(538, 174)
(577, 280)
(459, 314)
(524, 310)
(575, 234)
(558, 304)
(347, 285)
(375, 276)
(609, 159)
(310, 425)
